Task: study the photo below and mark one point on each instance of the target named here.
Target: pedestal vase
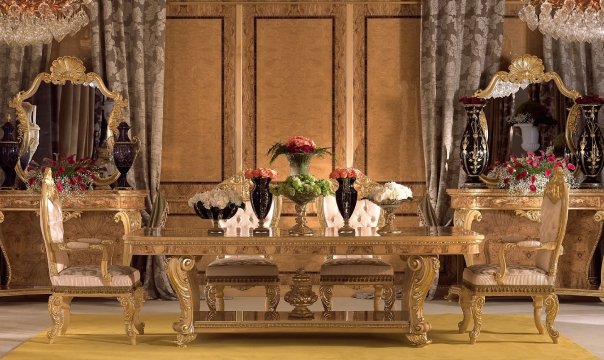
(216, 214)
(261, 200)
(346, 199)
(389, 208)
(300, 200)
(124, 154)
(590, 149)
(474, 151)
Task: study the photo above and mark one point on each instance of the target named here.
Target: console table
(495, 213)
(96, 213)
(419, 246)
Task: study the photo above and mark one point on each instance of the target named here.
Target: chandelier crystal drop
(570, 20)
(29, 22)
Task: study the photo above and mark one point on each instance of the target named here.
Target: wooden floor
(580, 319)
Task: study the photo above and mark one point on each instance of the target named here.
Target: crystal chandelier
(28, 22)
(570, 20)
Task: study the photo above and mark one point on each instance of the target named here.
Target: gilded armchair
(352, 270)
(95, 280)
(538, 281)
(243, 271)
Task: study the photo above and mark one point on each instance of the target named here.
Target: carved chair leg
(139, 299)
(210, 294)
(378, 292)
(66, 309)
(325, 293)
(127, 302)
(537, 307)
(272, 297)
(389, 298)
(477, 304)
(219, 297)
(551, 311)
(56, 315)
(465, 302)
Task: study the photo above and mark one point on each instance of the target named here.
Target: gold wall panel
(293, 81)
(518, 40)
(387, 136)
(199, 122)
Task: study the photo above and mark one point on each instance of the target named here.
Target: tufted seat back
(242, 223)
(366, 214)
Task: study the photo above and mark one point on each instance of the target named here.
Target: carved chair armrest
(105, 248)
(531, 244)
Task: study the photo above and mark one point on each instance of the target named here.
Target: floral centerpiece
(71, 175)
(389, 197)
(346, 196)
(530, 174)
(260, 196)
(299, 151)
(216, 204)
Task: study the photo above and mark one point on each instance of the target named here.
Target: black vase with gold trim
(9, 155)
(124, 154)
(474, 148)
(590, 152)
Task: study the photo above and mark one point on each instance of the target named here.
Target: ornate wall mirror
(67, 112)
(527, 109)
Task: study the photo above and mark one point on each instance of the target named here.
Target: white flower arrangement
(391, 191)
(218, 198)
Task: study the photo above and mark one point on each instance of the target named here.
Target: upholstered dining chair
(538, 281)
(243, 271)
(94, 280)
(356, 271)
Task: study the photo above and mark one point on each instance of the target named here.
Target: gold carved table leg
(183, 277)
(416, 284)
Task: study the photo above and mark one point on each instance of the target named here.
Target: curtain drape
(581, 65)
(128, 41)
(75, 116)
(461, 47)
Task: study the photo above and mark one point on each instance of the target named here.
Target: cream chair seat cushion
(90, 276)
(515, 275)
(242, 266)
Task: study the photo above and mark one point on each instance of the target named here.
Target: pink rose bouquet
(297, 146)
(530, 174)
(260, 173)
(339, 173)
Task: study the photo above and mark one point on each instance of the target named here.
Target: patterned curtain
(461, 47)
(128, 41)
(581, 65)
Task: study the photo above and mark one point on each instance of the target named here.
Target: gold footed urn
(301, 200)
(389, 208)
(301, 296)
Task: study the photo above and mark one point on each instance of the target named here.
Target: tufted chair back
(51, 223)
(554, 215)
(366, 214)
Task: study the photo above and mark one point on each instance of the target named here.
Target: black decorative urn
(9, 155)
(124, 153)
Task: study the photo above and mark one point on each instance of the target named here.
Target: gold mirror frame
(529, 69)
(62, 70)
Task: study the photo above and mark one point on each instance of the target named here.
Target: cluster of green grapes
(303, 184)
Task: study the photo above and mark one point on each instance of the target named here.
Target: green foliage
(303, 185)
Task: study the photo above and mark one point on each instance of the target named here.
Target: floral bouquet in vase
(216, 204)
(389, 197)
(260, 196)
(530, 174)
(346, 196)
(299, 151)
(72, 176)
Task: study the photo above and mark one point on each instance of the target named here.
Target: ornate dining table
(419, 247)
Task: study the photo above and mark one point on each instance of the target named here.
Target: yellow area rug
(99, 337)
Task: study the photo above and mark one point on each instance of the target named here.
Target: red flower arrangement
(260, 173)
(472, 100)
(70, 174)
(296, 146)
(530, 174)
(591, 99)
(339, 173)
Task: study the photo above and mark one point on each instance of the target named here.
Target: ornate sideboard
(494, 213)
(105, 214)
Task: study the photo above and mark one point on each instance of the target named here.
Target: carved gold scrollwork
(1, 217)
(599, 216)
(131, 219)
(465, 217)
(178, 273)
(68, 215)
(422, 270)
(532, 215)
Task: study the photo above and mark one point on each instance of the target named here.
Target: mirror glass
(64, 120)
